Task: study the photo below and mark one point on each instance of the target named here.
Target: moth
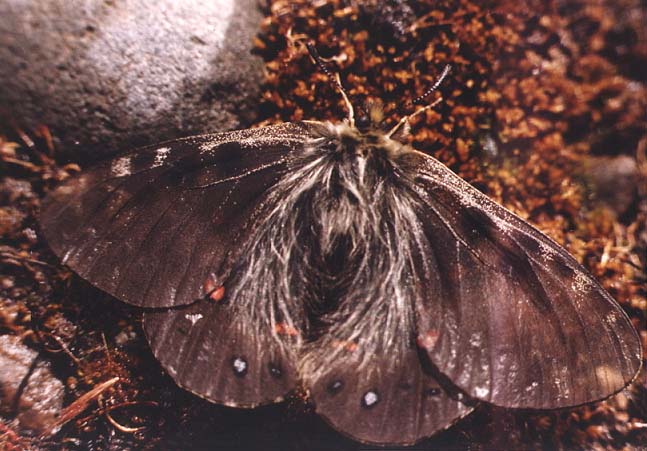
(338, 259)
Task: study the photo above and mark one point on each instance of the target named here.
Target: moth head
(371, 117)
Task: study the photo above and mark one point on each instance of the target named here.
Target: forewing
(510, 317)
(149, 226)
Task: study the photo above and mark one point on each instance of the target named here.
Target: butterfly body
(340, 260)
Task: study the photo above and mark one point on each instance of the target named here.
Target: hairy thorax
(341, 215)
(350, 140)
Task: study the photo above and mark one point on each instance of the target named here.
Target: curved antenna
(420, 99)
(334, 79)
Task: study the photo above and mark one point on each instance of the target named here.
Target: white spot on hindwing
(239, 366)
(370, 399)
(121, 167)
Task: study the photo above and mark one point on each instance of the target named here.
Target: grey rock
(104, 75)
(29, 385)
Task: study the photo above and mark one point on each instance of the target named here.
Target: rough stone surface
(103, 74)
(40, 399)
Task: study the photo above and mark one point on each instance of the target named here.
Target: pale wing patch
(194, 318)
(121, 167)
(207, 146)
(160, 156)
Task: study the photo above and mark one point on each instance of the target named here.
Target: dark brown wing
(382, 402)
(222, 353)
(149, 226)
(509, 316)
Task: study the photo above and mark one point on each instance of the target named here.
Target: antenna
(334, 79)
(420, 99)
